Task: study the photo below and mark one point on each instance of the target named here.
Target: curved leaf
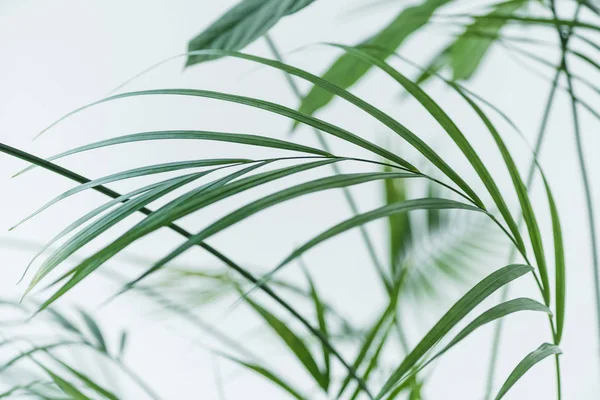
(240, 138)
(258, 104)
(525, 365)
(453, 131)
(347, 70)
(459, 310)
(332, 182)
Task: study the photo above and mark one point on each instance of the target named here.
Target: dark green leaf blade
(494, 313)
(457, 312)
(559, 259)
(178, 208)
(332, 182)
(227, 137)
(241, 25)
(133, 173)
(525, 365)
(453, 131)
(258, 104)
(522, 194)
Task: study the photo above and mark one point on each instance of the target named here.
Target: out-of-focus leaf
(374, 360)
(322, 319)
(95, 331)
(294, 343)
(457, 251)
(270, 376)
(347, 70)
(122, 345)
(89, 382)
(368, 342)
(399, 224)
(361, 219)
(64, 385)
(241, 25)
(466, 53)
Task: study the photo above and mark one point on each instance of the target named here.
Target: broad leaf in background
(467, 52)
(347, 70)
(242, 25)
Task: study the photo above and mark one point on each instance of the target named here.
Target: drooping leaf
(103, 224)
(90, 215)
(242, 213)
(133, 173)
(241, 25)
(95, 331)
(89, 382)
(293, 342)
(494, 313)
(249, 140)
(270, 376)
(455, 134)
(559, 259)
(522, 194)
(525, 365)
(347, 70)
(172, 211)
(268, 106)
(67, 387)
(456, 313)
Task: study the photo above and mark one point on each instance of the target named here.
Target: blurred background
(59, 55)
